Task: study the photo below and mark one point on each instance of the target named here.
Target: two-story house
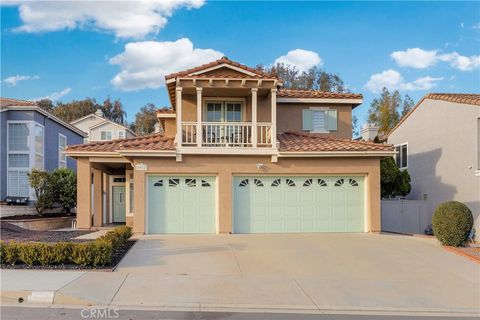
(438, 142)
(99, 128)
(238, 154)
(31, 137)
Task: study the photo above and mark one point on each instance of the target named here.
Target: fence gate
(405, 216)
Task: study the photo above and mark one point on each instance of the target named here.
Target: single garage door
(181, 204)
(299, 204)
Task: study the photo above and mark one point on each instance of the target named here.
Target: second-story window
(106, 135)
(401, 155)
(223, 111)
(121, 134)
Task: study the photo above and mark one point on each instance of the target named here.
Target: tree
(46, 104)
(145, 120)
(40, 181)
(113, 111)
(75, 109)
(387, 110)
(355, 128)
(393, 181)
(312, 79)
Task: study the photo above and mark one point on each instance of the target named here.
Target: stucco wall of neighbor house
(87, 123)
(96, 133)
(225, 167)
(289, 118)
(443, 145)
(51, 132)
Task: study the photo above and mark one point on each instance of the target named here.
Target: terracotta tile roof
(216, 63)
(292, 93)
(150, 142)
(305, 142)
(466, 98)
(7, 102)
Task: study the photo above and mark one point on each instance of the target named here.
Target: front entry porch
(109, 199)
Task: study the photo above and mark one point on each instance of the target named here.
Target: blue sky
(49, 49)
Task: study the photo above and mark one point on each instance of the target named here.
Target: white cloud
(145, 64)
(301, 59)
(393, 80)
(54, 96)
(126, 19)
(476, 26)
(14, 80)
(420, 59)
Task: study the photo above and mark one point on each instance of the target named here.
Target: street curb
(10, 298)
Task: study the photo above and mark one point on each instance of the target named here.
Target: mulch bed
(10, 232)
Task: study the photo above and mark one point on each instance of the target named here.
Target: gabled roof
(104, 121)
(465, 98)
(307, 142)
(224, 61)
(462, 98)
(6, 102)
(24, 105)
(151, 142)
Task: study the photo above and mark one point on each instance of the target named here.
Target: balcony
(227, 134)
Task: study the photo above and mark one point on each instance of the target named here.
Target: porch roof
(151, 142)
(292, 93)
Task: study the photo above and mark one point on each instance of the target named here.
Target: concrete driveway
(298, 271)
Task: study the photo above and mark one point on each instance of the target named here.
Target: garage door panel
(299, 204)
(181, 204)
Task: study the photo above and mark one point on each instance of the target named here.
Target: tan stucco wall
(443, 153)
(289, 118)
(84, 200)
(225, 167)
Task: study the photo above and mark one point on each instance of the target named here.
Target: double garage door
(261, 204)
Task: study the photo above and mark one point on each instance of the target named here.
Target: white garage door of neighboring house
(267, 204)
(181, 204)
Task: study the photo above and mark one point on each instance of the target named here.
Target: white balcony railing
(227, 134)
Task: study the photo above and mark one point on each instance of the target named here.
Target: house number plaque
(141, 167)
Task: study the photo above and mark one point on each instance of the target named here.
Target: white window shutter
(307, 124)
(331, 123)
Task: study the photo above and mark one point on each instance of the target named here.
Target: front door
(118, 204)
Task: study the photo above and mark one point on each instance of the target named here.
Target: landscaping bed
(103, 253)
(36, 216)
(472, 253)
(10, 232)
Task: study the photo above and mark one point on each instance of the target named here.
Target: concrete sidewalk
(286, 273)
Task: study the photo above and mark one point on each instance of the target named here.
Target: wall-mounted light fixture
(260, 166)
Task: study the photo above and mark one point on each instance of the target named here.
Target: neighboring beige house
(439, 143)
(237, 154)
(98, 128)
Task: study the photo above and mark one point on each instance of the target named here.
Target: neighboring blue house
(31, 137)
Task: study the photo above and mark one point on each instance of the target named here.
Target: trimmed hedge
(93, 254)
(452, 223)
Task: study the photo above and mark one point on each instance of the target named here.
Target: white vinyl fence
(405, 216)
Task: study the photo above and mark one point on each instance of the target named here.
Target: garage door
(299, 204)
(181, 204)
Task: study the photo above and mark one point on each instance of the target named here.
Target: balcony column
(178, 100)
(254, 118)
(273, 94)
(199, 117)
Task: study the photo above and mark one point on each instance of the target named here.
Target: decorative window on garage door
(258, 182)
(308, 183)
(353, 182)
(205, 184)
(191, 182)
(339, 182)
(159, 183)
(276, 182)
(243, 183)
(322, 183)
(290, 183)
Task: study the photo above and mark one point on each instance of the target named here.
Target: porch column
(178, 101)
(254, 117)
(84, 194)
(199, 117)
(97, 198)
(273, 94)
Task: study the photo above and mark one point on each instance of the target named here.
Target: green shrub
(95, 253)
(393, 181)
(452, 223)
(62, 252)
(64, 188)
(29, 253)
(41, 183)
(9, 252)
(118, 236)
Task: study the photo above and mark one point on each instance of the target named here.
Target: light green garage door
(298, 204)
(181, 204)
